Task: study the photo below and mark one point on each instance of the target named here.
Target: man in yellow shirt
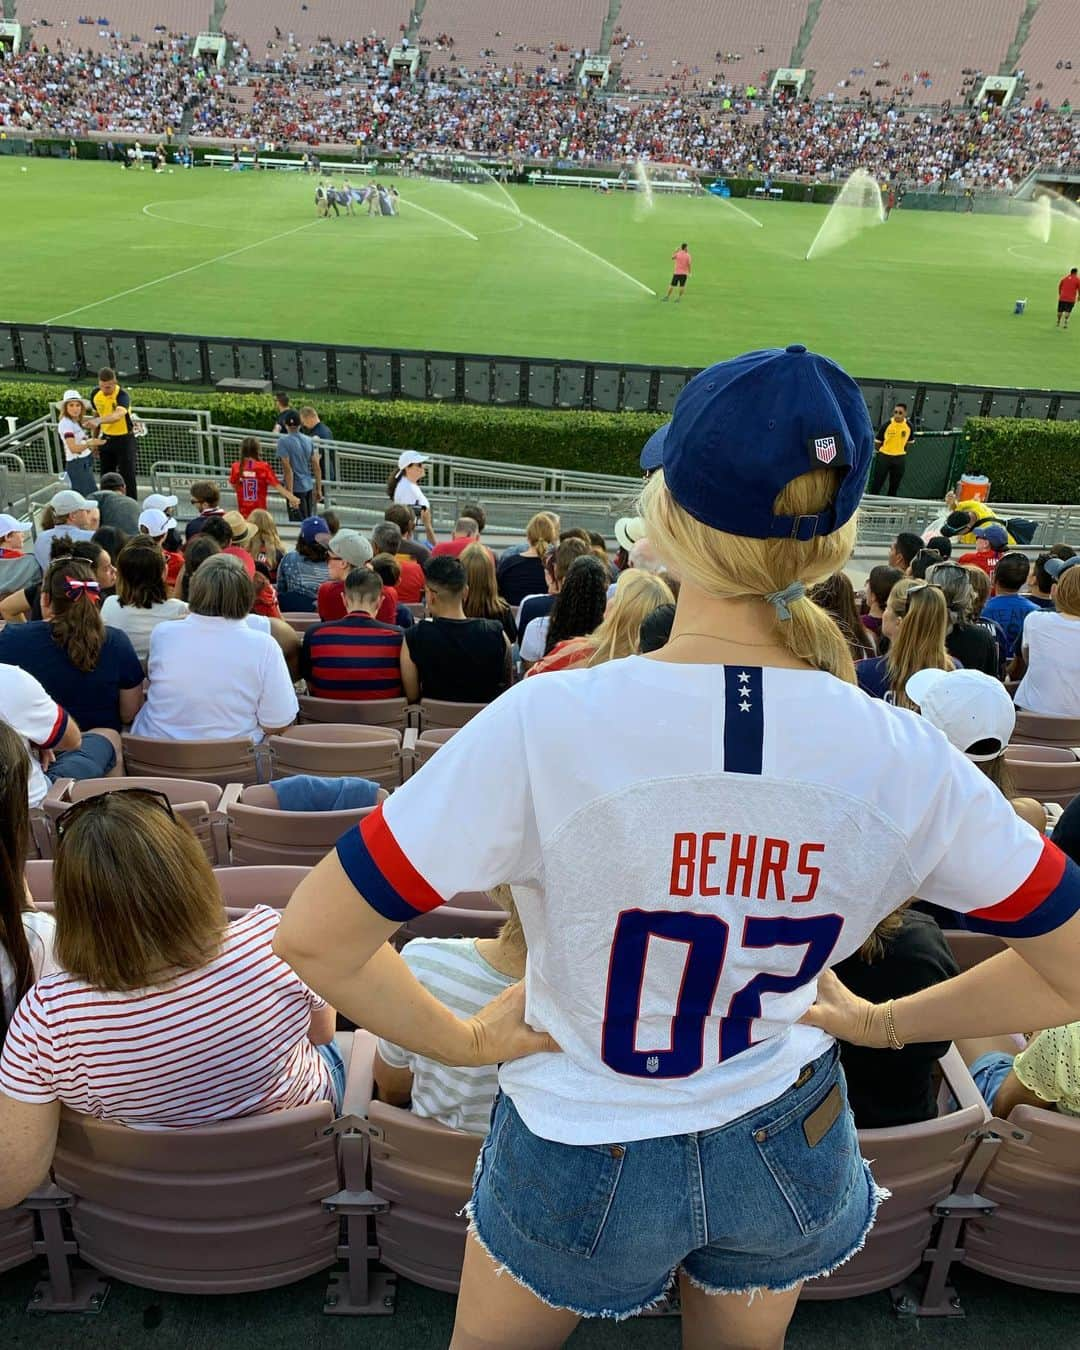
(112, 415)
(891, 458)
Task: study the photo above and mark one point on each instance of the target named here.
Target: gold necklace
(715, 637)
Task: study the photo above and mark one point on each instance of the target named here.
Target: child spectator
(1007, 607)
(991, 541)
(252, 478)
(879, 586)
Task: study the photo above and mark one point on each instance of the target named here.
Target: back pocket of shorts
(556, 1194)
(813, 1155)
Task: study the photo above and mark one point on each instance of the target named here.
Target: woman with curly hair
(578, 612)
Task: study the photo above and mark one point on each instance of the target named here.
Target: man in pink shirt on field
(681, 259)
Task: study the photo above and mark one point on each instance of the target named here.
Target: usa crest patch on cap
(825, 449)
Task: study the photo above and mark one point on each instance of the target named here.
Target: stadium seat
(367, 712)
(931, 1170)
(1043, 780)
(221, 762)
(16, 1238)
(1038, 729)
(971, 948)
(196, 803)
(1032, 1235)
(301, 621)
(1041, 754)
(433, 713)
(334, 751)
(244, 887)
(417, 749)
(471, 914)
(260, 832)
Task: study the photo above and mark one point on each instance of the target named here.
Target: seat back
(471, 914)
(39, 878)
(16, 1238)
(1040, 754)
(220, 762)
(971, 948)
(367, 712)
(919, 1165)
(217, 1209)
(436, 712)
(1044, 780)
(244, 887)
(1039, 729)
(301, 620)
(334, 751)
(260, 832)
(425, 1171)
(1033, 1237)
(428, 742)
(193, 802)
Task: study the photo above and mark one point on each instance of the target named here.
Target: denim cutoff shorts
(774, 1198)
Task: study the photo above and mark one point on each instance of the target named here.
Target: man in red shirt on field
(1068, 294)
(681, 259)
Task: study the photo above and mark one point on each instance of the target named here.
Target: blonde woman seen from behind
(637, 594)
(686, 1079)
(915, 620)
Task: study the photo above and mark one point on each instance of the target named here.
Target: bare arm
(1013, 1093)
(322, 1024)
(286, 493)
(394, 1085)
(14, 607)
(29, 1135)
(339, 947)
(70, 740)
(410, 676)
(316, 469)
(429, 528)
(1034, 985)
(130, 701)
(287, 474)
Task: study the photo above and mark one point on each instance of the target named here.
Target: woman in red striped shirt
(163, 1014)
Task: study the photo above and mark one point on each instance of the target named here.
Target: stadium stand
(495, 35)
(280, 31)
(1050, 57)
(696, 43)
(886, 47)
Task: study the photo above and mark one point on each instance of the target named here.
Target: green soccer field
(532, 272)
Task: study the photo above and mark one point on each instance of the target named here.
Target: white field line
(194, 224)
(574, 244)
(435, 216)
(183, 272)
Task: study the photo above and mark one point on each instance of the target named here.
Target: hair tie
(74, 588)
(782, 601)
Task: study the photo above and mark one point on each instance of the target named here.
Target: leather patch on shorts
(818, 1123)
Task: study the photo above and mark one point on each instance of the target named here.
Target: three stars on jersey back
(744, 691)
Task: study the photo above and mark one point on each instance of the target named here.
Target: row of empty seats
(500, 26)
(1054, 39)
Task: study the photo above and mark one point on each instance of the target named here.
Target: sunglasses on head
(99, 800)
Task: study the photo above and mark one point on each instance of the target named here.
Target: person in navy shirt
(355, 657)
(88, 669)
(1006, 605)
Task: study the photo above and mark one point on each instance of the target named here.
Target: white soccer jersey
(689, 847)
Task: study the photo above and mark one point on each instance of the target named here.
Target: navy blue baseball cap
(652, 456)
(745, 428)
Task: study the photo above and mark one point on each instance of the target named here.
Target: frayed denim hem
(877, 1195)
(609, 1314)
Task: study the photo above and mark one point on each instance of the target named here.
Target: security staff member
(891, 458)
(112, 414)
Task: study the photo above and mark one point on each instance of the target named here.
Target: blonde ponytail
(731, 567)
(920, 643)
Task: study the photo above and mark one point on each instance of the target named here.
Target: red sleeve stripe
(375, 864)
(1043, 880)
(59, 730)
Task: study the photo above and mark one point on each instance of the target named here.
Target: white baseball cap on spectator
(72, 396)
(68, 500)
(9, 525)
(155, 523)
(973, 709)
(408, 458)
(158, 501)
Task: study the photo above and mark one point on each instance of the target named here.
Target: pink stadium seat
(418, 748)
(336, 751)
(499, 27)
(1045, 781)
(1032, 1237)
(367, 712)
(435, 713)
(260, 832)
(1040, 754)
(301, 622)
(1051, 40)
(1037, 729)
(195, 803)
(221, 762)
(16, 1238)
(244, 887)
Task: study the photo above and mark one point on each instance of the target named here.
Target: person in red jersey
(1068, 293)
(252, 478)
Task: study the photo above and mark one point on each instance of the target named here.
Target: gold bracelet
(895, 1042)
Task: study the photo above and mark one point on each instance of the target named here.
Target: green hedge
(1026, 460)
(595, 441)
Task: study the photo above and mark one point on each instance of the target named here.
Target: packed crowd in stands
(346, 94)
(116, 604)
